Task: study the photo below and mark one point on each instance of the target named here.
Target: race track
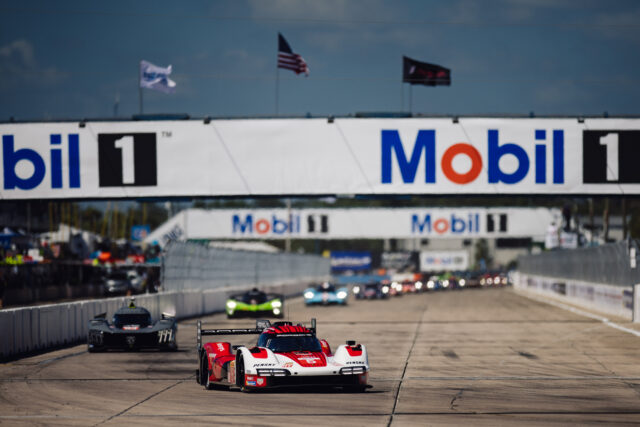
(472, 357)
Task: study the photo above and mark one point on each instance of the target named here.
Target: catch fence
(193, 266)
(612, 264)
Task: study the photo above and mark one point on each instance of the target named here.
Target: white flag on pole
(154, 77)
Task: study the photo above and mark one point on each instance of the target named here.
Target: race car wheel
(203, 372)
(93, 349)
(240, 374)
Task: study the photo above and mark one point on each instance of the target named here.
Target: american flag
(289, 60)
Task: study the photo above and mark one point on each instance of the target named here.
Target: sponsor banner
(444, 260)
(399, 261)
(357, 223)
(139, 232)
(315, 157)
(350, 260)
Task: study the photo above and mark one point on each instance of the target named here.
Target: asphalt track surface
(473, 357)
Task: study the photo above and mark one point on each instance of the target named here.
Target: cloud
(18, 65)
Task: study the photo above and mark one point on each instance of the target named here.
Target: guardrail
(604, 278)
(614, 300)
(30, 329)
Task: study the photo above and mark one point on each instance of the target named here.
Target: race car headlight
(341, 295)
(430, 284)
(353, 370)
(308, 295)
(276, 304)
(504, 281)
(462, 282)
(356, 289)
(445, 283)
(418, 285)
(385, 289)
(482, 281)
(396, 285)
(231, 304)
(273, 372)
(489, 281)
(276, 311)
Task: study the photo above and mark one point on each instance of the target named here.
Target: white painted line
(582, 313)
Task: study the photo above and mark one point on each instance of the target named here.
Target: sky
(79, 59)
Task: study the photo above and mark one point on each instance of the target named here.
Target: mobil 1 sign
(280, 157)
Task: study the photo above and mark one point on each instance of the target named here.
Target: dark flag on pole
(423, 73)
(289, 60)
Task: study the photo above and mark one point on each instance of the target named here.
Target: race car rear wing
(261, 325)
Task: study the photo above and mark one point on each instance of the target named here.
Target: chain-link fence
(193, 266)
(613, 264)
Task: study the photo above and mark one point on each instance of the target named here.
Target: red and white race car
(285, 355)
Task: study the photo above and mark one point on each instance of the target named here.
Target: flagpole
(140, 87)
(277, 88)
(411, 98)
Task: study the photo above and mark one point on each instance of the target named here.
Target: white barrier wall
(609, 299)
(37, 328)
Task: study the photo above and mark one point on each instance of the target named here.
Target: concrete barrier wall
(607, 299)
(28, 329)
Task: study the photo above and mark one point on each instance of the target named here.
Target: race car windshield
(284, 344)
(254, 298)
(142, 320)
(325, 287)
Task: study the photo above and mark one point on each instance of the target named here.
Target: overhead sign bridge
(278, 157)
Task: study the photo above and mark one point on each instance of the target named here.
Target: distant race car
(255, 303)
(122, 282)
(284, 356)
(326, 293)
(371, 291)
(132, 328)
(395, 288)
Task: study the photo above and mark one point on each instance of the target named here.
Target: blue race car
(325, 294)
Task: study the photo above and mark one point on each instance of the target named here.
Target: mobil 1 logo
(610, 156)
(127, 159)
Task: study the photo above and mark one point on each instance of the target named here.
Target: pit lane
(481, 357)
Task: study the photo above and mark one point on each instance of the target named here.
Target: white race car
(285, 355)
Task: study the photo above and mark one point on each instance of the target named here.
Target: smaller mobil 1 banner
(444, 260)
(350, 260)
(611, 156)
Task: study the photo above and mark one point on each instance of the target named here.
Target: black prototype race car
(130, 329)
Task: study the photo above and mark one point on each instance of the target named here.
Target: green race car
(255, 303)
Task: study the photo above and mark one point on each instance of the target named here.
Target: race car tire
(94, 349)
(240, 374)
(203, 371)
(355, 388)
